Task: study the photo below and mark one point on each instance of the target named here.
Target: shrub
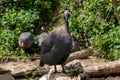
(17, 16)
(94, 23)
(24, 20)
(8, 42)
(108, 44)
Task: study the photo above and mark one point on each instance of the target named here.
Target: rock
(75, 68)
(59, 76)
(74, 71)
(6, 77)
(44, 77)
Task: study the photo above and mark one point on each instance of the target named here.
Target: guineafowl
(26, 40)
(42, 36)
(56, 48)
(75, 43)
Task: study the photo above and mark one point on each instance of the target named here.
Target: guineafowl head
(26, 40)
(67, 14)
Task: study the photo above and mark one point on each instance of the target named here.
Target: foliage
(118, 8)
(12, 19)
(92, 22)
(108, 44)
(17, 16)
(8, 42)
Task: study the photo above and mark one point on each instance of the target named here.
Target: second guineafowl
(56, 48)
(26, 40)
(42, 36)
(75, 43)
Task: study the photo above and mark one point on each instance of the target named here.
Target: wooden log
(80, 54)
(97, 69)
(17, 68)
(93, 70)
(103, 69)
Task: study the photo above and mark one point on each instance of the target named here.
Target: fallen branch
(102, 69)
(97, 69)
(80, 54)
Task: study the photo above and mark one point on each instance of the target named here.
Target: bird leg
(55, 68)
(63, 68)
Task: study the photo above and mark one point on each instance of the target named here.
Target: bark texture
(80, 54)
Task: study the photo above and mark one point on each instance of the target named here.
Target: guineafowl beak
(70, 13)
(22, 45)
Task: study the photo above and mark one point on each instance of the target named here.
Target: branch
(80, 54)
(102, 69)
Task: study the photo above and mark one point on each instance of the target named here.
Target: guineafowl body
(56, 48)
(75, 44)
(42, 36)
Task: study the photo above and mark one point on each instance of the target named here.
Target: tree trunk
(117, 13)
